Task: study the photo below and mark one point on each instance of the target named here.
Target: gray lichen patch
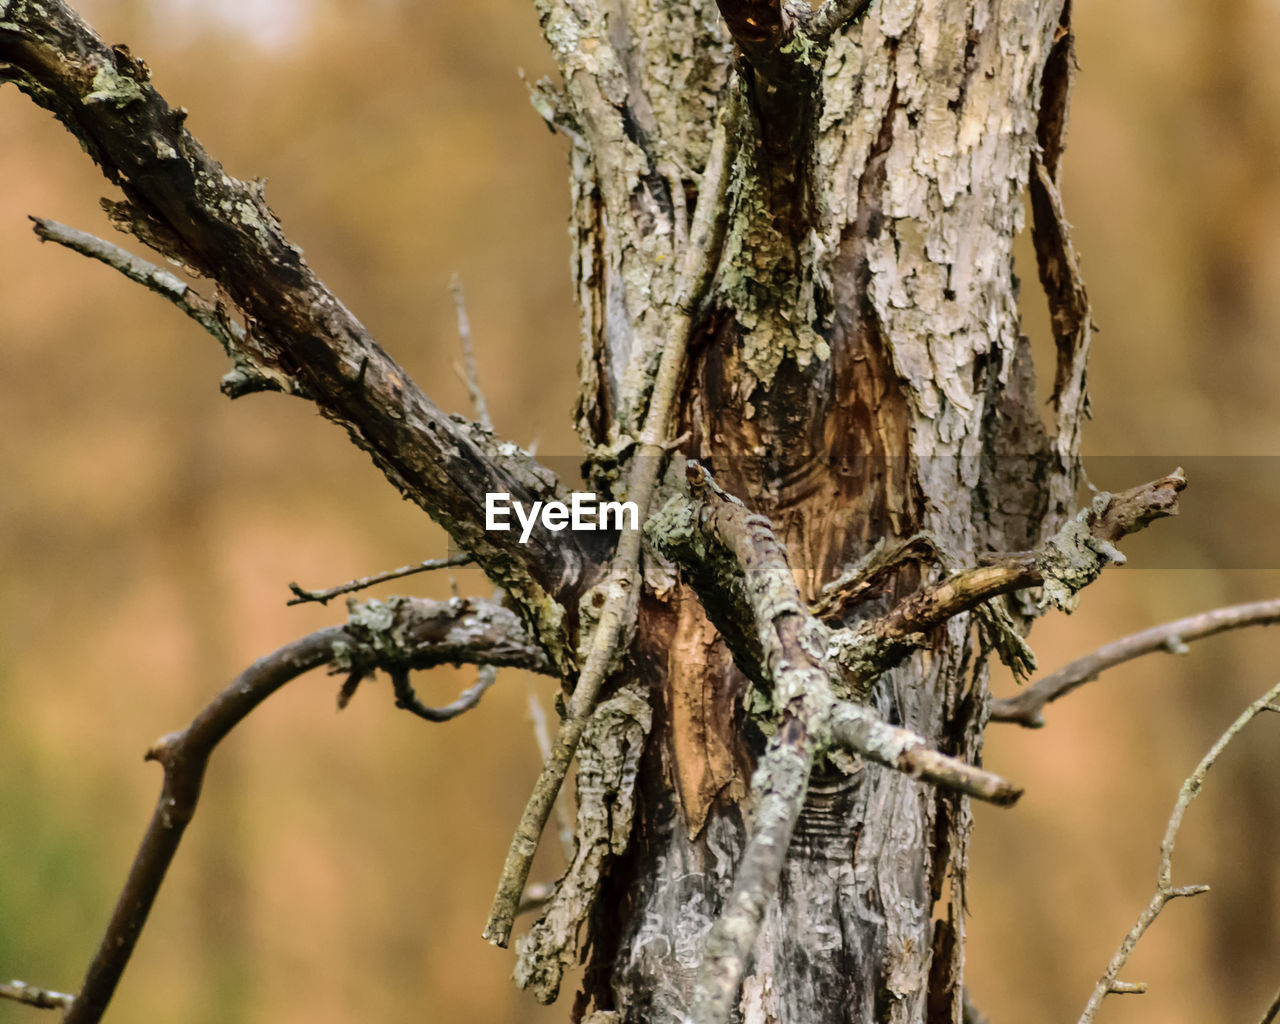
(769, 282)
(1073, 558)
(109, 86)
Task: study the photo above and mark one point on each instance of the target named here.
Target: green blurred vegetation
(340, 866)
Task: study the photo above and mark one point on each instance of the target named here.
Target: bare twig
(30, 995)
(1027, 708)
(859, 729)
(1165, 889)
(302, 596)
(620, 588)
(209, 315)
(470, 374)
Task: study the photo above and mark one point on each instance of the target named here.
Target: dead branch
(407, 699)
(564, 819)
(1109, 984)
(608, 766)
(620, 589)
(781, 782)
(30, 995)
(394, 636)
(302, 596)
(297, 333)
(243, 379)
(857, 728)
(740, 571)
(1068, 562)
(1027, 708)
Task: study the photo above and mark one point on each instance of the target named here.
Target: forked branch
(735, 563)
(1166, 891)
(395, 636)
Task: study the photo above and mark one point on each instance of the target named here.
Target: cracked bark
(859, 375)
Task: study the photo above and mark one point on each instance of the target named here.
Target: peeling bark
(858, 377)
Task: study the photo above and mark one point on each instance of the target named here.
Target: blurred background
(341, 866)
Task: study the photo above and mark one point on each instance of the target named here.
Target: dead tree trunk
(801, 358)
(857, 375)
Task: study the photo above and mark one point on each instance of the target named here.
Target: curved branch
(297, 333)
(395, 636)
(1027, 708)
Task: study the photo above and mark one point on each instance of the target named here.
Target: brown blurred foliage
(340, 866)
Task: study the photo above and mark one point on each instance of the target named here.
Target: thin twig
(859, 729)
(1165, 889)
(471, 375)
(302, 596)
(208, 315)
(30, 995)
(1027, 708)
(620, 589)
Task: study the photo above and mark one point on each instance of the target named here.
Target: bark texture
(858, 377)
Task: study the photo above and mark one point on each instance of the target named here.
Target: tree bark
(859, 377)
